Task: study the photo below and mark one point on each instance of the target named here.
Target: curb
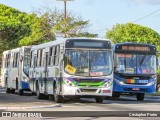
(34, 107)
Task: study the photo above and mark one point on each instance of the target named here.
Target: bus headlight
(119, 82)
(108, 83)
(68, 83)
(25, 79)
(151, 83)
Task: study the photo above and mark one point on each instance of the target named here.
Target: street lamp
(65, 12)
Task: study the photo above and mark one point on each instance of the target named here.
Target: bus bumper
(128, 88)
(86, 91)
(24, 85)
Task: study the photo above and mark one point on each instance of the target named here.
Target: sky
(102, 14)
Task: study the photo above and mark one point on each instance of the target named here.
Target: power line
(147, 16)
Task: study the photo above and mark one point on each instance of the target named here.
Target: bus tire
(116, 95)
(39, 95)
(99, 99)
(140, 96)
(20, 92)
(12, 91)
(57, 98)
(8, 90)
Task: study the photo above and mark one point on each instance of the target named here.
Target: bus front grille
(88, 90)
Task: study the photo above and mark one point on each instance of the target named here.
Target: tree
(41, 32)
(75, 26)
(12, 27)
(19, 28)
(133, 33)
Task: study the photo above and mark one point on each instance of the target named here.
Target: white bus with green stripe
(73, 67)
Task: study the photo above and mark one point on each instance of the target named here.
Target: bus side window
(38, 58)
(17, 59)
(31, 59)
(56, 61)
(8, 60)
(42, 57)
(51, 56)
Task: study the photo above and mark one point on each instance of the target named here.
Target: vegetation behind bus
(130, 32)
(19, 28)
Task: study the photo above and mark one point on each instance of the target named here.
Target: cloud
(150, 2)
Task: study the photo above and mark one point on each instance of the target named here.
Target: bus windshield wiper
(141, 62)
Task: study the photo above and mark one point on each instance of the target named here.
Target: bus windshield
(135, 63)
(26, 61)
(88, 62)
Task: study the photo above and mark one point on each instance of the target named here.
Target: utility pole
(65, 13)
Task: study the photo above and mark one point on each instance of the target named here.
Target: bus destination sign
(136, 48)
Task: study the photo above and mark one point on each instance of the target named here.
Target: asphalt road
(27, 102)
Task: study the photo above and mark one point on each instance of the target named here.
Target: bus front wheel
(39, 95)
(8, 90)
(140, 96)
(99, 99)
(57, 98)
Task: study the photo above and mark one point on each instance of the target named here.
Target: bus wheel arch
(57, 98)
(39, 95)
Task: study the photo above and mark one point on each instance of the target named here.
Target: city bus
(15, 69)
(73, 67)
(134, 69)
(5, 66)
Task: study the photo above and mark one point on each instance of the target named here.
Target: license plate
(106, 91)
(135, 88)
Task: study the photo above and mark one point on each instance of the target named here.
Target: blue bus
(134, 69)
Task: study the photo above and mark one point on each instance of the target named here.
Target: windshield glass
(88, 62)
(135, 63)
(26, 61)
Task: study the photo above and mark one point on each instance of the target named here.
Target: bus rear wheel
(99, 99)
(8, 90)
(20, 92)
(140, 96)
(12, 91)
(57, 98)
